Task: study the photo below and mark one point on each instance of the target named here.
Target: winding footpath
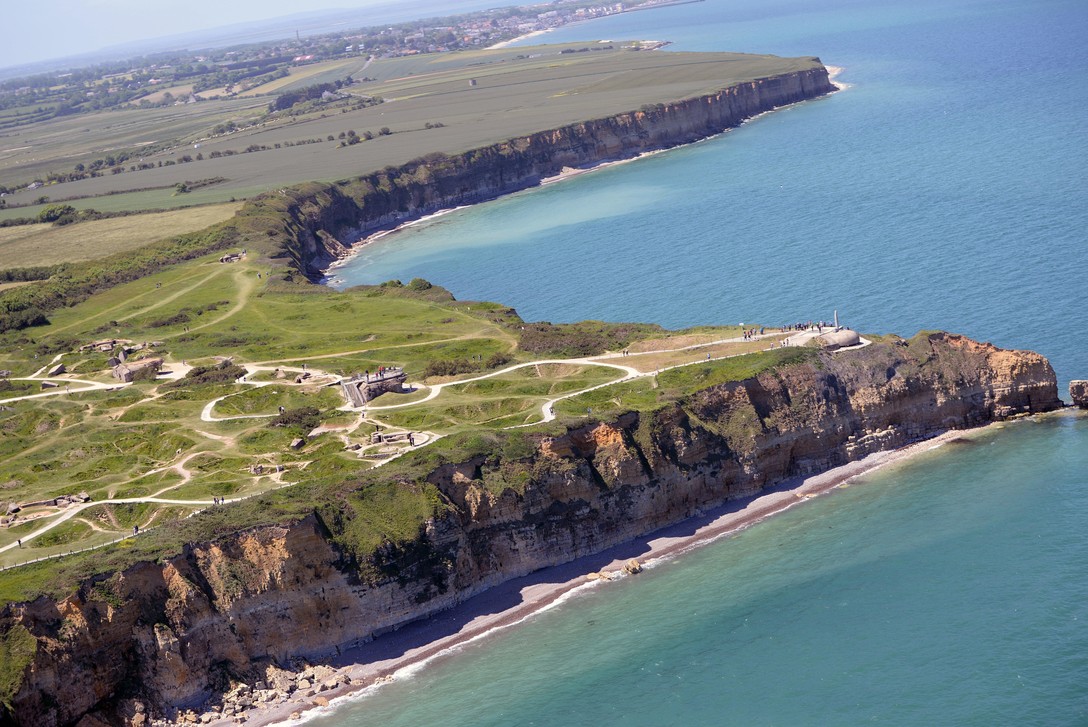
(547, 410)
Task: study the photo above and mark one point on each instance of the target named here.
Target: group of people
(751, 333)
(380, 372)
(818, 325)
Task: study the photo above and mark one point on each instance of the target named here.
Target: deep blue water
(943, 189)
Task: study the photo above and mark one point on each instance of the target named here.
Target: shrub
(450, 367)
(303, 418)
(498, 359)
(54, 212)
(204, 375)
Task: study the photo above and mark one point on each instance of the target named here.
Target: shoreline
(330, 278)
(507, 43)
(568, 173)
(412, 647)
(649, 6)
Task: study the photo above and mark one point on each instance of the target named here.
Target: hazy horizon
(56, 30)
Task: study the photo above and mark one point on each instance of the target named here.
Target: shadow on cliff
(507, 601)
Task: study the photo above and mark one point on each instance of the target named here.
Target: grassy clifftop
(429, 106)
(152, 452)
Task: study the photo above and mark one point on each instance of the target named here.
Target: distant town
(224, 73)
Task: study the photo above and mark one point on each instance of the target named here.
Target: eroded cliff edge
(174, 631)
(307, 227)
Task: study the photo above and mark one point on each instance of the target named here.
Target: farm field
(45, 244)
(59, 144)
(517, 91)
(299, 76)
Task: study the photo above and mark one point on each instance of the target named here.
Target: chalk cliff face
(174, 632)
(324, 220)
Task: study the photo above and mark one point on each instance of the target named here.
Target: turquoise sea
(944, 188)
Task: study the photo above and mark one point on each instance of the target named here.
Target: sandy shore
(508, 43)
(413, 646)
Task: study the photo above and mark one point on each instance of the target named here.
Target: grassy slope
(148, 439)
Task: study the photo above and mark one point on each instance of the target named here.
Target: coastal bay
(945, 587)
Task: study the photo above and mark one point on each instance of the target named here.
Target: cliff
(309, 226)
(176, 631)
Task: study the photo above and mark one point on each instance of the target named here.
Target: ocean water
(943, 189)
(949, 590)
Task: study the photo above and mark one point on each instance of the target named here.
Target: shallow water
(944, 188)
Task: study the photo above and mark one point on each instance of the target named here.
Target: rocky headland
(207, 633)
(307, 227)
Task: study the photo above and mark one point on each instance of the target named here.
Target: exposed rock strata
(1078, 392)
(173, 633)
(323, 221)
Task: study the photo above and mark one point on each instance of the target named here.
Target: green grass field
(189, 442)
(309, 75)
(45, 244)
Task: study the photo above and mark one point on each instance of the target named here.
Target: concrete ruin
(105, 345)
(842, 338)
(361, 388)
(126, 372)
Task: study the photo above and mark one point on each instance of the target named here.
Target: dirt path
(74, 510)
(437, 389)
(64, 388)
(246, 287)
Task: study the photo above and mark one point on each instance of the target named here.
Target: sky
(48, 29)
